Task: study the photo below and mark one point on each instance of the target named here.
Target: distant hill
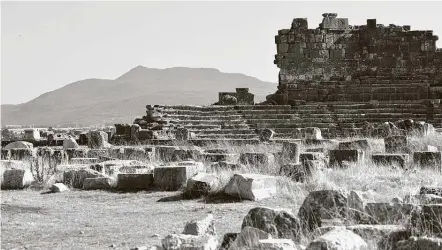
(99, 101)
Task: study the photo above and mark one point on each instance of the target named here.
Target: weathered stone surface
(165, 153)
(205, 226)
(277, 244)
(266, 135)
(423, 199)
(187, 154)
(397, 144)
(83, 160)
(97, 139)
(70, 143)
(291, 151)
(256, 159)
(251, 186)
(19, 144)
(202, 184)
(388, 213)
(320, 205)
(428, 220)
(249, 238)
(420, 243)
(280, 223)
(311, 133)
(182, 134)
(186, 241)
(311, 156)
(298, 172)
(355, 144)
(16, 178)
(227, 241)
(431, 190)
(394, 160)
(172, 178)
(428, 160)
(338, 238)
(59, 188)
(97, 183)
(389, 241)
(75, 176)
(338, 156)
(135, 181)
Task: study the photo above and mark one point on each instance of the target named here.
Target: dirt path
(99, 219)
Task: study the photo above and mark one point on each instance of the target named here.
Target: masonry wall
(337, 61)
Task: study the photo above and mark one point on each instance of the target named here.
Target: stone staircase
(335, 119)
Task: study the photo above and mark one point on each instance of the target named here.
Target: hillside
(99, 101)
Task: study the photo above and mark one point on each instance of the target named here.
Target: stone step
(202, 126)
(294, 125)
(210, 122)
(224, 131)
(361, 106)
(229, 136)
(270, 116)
(208, 117)
(198, 113)
(226, 108)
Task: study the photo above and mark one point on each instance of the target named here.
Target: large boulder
(280, 223)
(251, 186)
(19, 144)
(338, 239)
(202, 184)
(69, 143)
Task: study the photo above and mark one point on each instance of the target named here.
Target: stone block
(5, 154)
(251, 186)
(417, 243)
(75, 176)
(59, 188)
(70, 143)
(428, 160)
(219, 157)
(164, 153)
(19, 144)
(202, 184)
(135, 181)
(97, 139)
(277, 244)
(397, 144)
(291, 151)
(22, 154)
(187, 241)
(394, 160)
(387, 213)
(228, 240)
(266, 135)
(311, 156)
(172, 178)
(297, 172)
(355, 144)
(256, 159)
(280, 223)
(423, 199)
(429, 219)
(338, 156)
(311, 133)
(249, 238)
(205, 226)
(431, 190)
(16, 178)
(187, 154)
(97, 183)
(338, 238)
(83, 160)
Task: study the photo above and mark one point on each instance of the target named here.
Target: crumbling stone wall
(240, 97)
(339, 62)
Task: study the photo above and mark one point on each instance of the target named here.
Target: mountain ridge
(95, 101)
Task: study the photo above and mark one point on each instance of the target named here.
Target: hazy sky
(46, 45)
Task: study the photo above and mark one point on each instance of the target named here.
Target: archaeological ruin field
(346, 154)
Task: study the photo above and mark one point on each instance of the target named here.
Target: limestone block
(396, 144)
(280, 223)
(256, 159)
(172, 178)
(251, 186)
(387, 213)
(97, 139)
(205, 226)
(202, 184)
(16, 178)
(97, 183)
(227, 241)
(59, 188)
(249, 238)
(431, 190)
(83, 160)
(311, 133)
(338, 156)
(423, 199)
(266, 135)
(135, 181)
(355, 144)
(320, 205)
(75, 176)
(338, 238)
(417, 243)
(186, 241)
(311, 156)
(21, 154)
(428, 160)
(394, 160)
(277, 244)
(164, 153)
(70, 143)
(291, 151)
(428, 219)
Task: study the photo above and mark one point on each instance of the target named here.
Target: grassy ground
(99, 219)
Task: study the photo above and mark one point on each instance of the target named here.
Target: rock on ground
(70, 143)
(186, 241)
(59, 188)
(251, 186)
(338, 239)
(97, 183)
(280, 223)
(420, 243)
(19, 144)
(249, 237)
(201, 227)
(16, 178)
(202, 184)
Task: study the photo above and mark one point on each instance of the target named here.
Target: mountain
(100, 101)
